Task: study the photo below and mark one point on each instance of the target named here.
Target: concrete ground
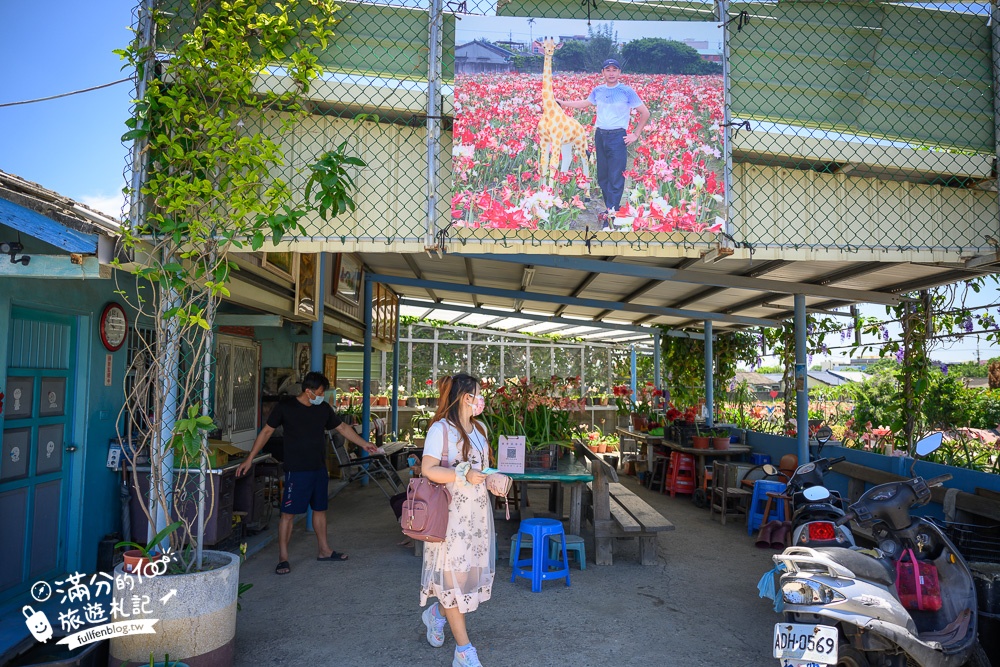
(698, 607)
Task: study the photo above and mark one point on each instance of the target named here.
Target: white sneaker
(435, 627)
(467, 659)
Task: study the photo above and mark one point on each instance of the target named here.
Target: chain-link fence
(858, 127)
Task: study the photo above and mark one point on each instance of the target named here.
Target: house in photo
(480, 56)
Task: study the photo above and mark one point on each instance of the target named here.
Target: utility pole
(531, 36)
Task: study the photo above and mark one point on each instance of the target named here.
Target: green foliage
(528, 63)
(683, 361)
(150, 548)
(210, 140)
(947, 403)
(601, 45)
(654, 55)
(986, 410)
(875, 400)
(572, 56)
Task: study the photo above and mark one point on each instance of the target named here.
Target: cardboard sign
(510, 454)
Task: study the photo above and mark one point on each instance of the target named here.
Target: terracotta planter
(592, 448)
(639, 422)
(601, 448)
(700, 441)
(720, 443)
(401, 402)
(381, 401)
(134, 562)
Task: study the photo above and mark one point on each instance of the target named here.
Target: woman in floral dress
(459, 571)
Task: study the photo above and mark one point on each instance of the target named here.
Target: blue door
(36, 448)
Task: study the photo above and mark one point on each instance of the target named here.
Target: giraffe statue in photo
(558, 133)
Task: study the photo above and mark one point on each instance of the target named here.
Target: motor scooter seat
(877, 570)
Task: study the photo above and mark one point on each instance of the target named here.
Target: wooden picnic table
(570, 472)
(699, 454)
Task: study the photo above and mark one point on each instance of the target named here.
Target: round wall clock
(114, 326)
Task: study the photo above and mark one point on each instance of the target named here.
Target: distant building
(514, 47)
(859, 364)
(707, 50)
(480, 56)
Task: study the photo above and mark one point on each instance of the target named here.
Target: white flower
(697, 182)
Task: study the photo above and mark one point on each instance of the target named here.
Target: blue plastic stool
(538, 568)
(574, 544)
(760, 459)
(755, 512)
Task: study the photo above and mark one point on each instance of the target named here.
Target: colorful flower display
(675, 181)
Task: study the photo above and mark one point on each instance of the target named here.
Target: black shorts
(305, 489)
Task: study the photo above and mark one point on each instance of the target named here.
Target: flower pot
(401, 402)
(604, 401)
(700, 441)
(720, 443)
(411, 402)
(593, 448)
(601, 448)
(197, 625)
(134, 562)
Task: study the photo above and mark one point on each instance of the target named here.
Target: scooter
(844, 607)
(815, 509)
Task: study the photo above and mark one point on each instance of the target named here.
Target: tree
(211, 188)
(572, 56)
(602, 44)
(654, 55)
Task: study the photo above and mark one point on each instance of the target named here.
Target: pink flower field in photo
(675, 177)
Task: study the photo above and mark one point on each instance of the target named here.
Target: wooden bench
(617, 513)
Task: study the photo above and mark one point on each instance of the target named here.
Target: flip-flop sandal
(336, 557)
(283, 568)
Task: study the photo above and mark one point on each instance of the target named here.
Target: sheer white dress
(459, 571)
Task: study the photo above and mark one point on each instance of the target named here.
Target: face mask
(478, 405)
(317, 399)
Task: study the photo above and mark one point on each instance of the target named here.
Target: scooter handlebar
(839, 459)
(846, 519)
(940, 479)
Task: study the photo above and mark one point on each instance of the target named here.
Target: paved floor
(697, 607)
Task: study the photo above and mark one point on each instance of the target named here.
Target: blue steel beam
(801, 378)
(694, 277)
(709, 377)
(571, 301)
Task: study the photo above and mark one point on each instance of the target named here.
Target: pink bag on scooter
(917, 583)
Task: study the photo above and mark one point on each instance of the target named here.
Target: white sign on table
(510, 457)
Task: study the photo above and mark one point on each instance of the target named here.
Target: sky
(497, 28)
(72, 145)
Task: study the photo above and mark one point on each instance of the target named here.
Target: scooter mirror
(770, 470)
(815, 494)
(929, 444)
(824, 434)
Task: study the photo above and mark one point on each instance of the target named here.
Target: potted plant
(411, 401)
(210, 160)
(701, 439)
(720, 438)
(138, 557)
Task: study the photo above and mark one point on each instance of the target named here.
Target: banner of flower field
(609, 128)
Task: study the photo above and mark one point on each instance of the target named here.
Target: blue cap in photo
(611, 62)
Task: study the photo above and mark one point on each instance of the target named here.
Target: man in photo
(614, 102)
(306, 418)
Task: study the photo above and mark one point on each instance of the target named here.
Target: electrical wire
(55, 97)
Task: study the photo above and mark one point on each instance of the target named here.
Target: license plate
(802, 644)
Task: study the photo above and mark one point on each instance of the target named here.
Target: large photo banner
(612, 127)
